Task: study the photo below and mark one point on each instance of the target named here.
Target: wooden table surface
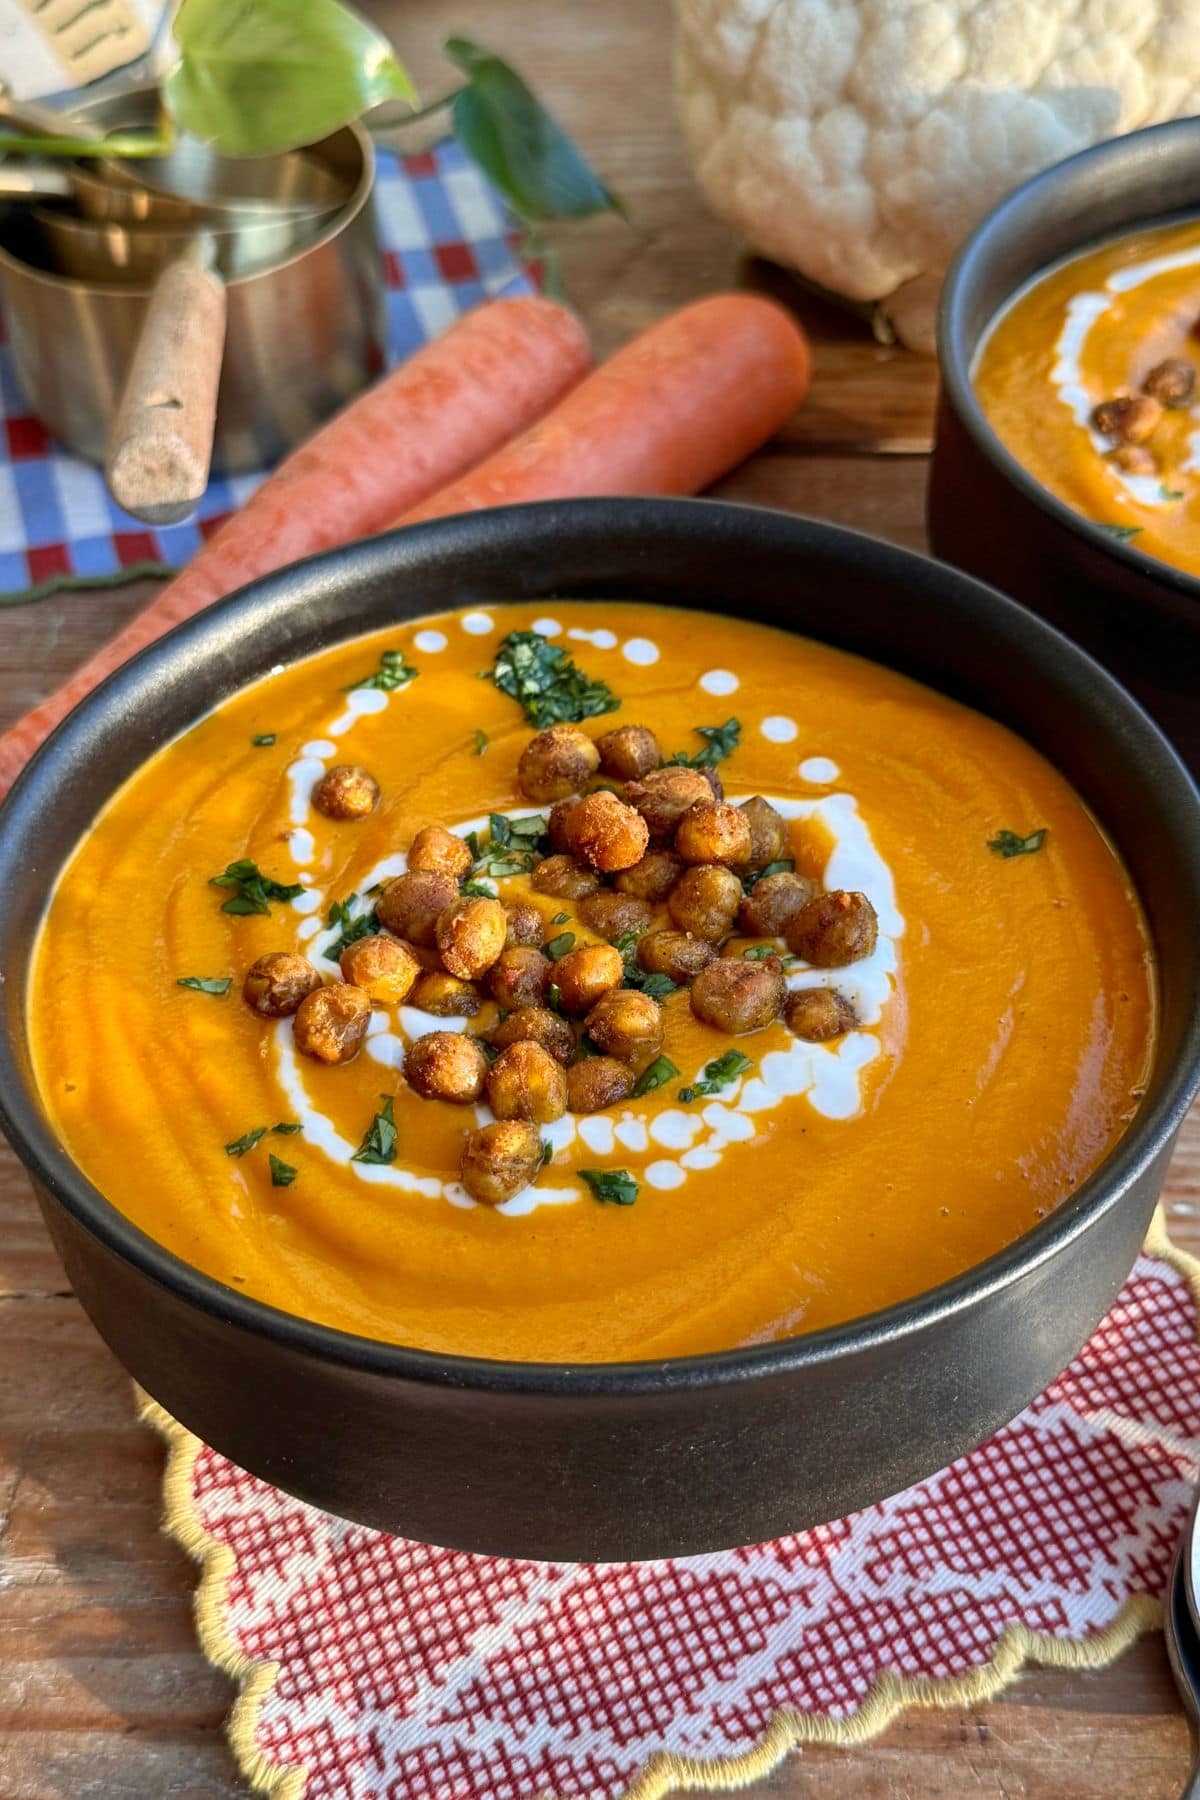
(103, 1694)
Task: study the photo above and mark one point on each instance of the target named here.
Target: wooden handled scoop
(160, 446)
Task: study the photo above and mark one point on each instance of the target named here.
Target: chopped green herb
(282, 1174)
(717, 1074)
(264, 740)
(240, 1145)
(489, 1050)
(560, 918)
(720, 741)
(340, 913)
(554, 997)
(785, 866)
(393, 672)
(379, 1144)
(547, 1151)
(513, 846)
(586, 1048)
(546, 683)
(481, 743)
(558, 946)
(285, 1130)
(472, 842)
(253, 888)
(206, 984)
(657, 986)
(662, 1069)
(1122, 533)
(376, 887)
(615, 1185)
(477, 890)
(1009, 843)
(760, 952)
(1172, 493)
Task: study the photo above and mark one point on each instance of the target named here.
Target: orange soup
(1089, 377)
(369, 999)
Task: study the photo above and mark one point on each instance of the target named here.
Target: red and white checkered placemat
(447, 243)
(372, 1668)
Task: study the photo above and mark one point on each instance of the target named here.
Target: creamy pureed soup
(1089, 377)
(970, 1040)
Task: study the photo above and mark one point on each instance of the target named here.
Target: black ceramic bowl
(634, 1459)
(987, 513)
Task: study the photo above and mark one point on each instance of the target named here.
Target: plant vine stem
(123, 144)
(385, 118)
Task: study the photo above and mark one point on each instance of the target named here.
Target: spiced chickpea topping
(436, 850)
(1135, 459)
(446, 1065)
(583, 976)
(713, 832)
(627, 1025)
(1171, 382)
(535, 1025)
(346, 792)
(606, 833)
(383, 967)
(818, 1014)
(558, 823)
(628, 752)
(526, 1082)
(563, 877)
(445, 996)
(676, 954)
(411, 904)
(596, 1082)
(525, 925)
(833, 930)
(614, 915)
(768, 832)
(772, 902)
(651, 879)
(664, 795)
(519, 977)
(705, 901)
(470, 936)
(331, 1023)
(499, 1160)
(1128, 418)
(276, 984)
(556, 762)
(739, 996)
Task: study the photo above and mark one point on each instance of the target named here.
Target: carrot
(451, 403)
(687, 400)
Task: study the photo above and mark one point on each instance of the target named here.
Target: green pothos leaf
(256, 77)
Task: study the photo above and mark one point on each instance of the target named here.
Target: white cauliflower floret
(858, 141)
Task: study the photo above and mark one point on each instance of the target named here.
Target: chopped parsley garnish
(252, 889)
(240, 1145)
(586, 1048)
(657, 986)
(558, 946)
(544, 681)
(760, 952)
(477, 890)
(282, 1174)
(1172, 493)
(1122, 533)
(560, 918)
(547, 1151)
(379, 1144)
(1009, 843)
(489, 1050)
(264, 740)
(513, 846)
(481, 743)
(554, 997)
(785, 866)
(394, 672)
(717, 1074)
(720, 741)
(615, 1185)
(206, 984)
(285, 1130)
(365, 925)
(660, 1070)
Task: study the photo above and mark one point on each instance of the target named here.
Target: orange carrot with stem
(450, 404)
(667, 414)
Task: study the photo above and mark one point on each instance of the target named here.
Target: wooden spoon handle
(160, 446)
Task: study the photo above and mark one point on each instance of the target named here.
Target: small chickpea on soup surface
(1089, 377)
(590, 981)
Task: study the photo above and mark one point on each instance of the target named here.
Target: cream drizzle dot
(819, 769)
(640, 651)
(720, 681)
(477, 624)
(665, 1175)
(430, 642)
(547, 627)
(779, 729)
(602, 638)
(319, 747)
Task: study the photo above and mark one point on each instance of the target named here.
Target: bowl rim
(1003, 222)
(23, 1121)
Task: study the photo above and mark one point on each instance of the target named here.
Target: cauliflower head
(858, 141)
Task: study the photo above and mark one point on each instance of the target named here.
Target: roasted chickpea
(437, 851)
(629, 752)
(739, 996)
(713, 832)
(705, 901)
(675, 953)
(772, 902)
(1128, 418)
(558, 823)
(519, 977)
(346, 792)
(446, 1065)
(383, 967)
(582, 976)
(818, 1014)
(563, 877)
(833, 930)
(651, 879)
(1171, 382)
(1135, 459)
(768, 832)
(606, 833)
(445, 996)
(614, 915)
(556, 762)
(664, 795)
(525, 925)
(535, 1025)
(627, 1025)
(525, 1082)
(331, 1023)
(499, 1160)
(596, 1082)
(470, 936)
(411, 904)
(276, 984)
